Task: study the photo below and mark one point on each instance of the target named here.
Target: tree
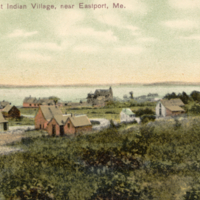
(131, 94)
(55, 99)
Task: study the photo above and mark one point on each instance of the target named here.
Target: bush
(147, 118)
(145, 111)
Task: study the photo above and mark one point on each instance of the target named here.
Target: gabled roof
(2, 118)
(127, 111)
(61, 119)
(7, 108)
(30, 100)
(4, 103)
(78, 121)
(172, 102)
(50, 111)
(174, 108)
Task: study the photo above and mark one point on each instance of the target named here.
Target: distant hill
(172, 83)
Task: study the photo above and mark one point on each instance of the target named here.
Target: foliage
(183, 96)
(195, 95)
(158, 160)
(195, 109)
(145, 111)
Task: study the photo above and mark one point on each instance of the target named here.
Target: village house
(68, 125)
(11, 112)
(30, 102)
(126, 115)
(33, 102)
(100, 97)
(172, 107)
(3, 104)
(44, 115)
(3, 123)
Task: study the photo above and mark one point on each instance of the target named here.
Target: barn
(3, 123)
(172, 107)
(11, 112)
(44, 115)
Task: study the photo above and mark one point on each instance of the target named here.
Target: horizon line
(105, 84)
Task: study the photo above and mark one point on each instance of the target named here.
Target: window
(68, 125)
(29, 104)
(160, 105)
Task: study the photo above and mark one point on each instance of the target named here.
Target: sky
(144, 42)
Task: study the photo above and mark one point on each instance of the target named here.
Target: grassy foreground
(160, 160)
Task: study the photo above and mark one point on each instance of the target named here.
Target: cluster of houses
(51, 119)
(164, 108)
(33, 102)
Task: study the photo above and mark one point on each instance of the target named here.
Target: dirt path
(14, 134)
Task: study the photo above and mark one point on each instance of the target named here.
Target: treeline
(194, 96)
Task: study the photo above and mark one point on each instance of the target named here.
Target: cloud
(21, 33)
(100, 35)
(66, 21)
(185, 4)
(182, 24)
(130, 49)
(191, 37)
(86, 49)
(146, 40)
(134, 29)
(41, 45)
(33, 56)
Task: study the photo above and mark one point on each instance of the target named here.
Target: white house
(172, 107)
(126, 115)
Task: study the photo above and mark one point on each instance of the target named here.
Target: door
(61, 130)
(53, 130)
(5, 127)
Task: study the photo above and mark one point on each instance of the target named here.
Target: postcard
(99, 100)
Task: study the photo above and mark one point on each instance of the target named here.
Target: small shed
(126, 115)
(3, 123)
(11, 112)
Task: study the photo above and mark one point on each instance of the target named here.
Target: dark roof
(2, 120)
(50, 111)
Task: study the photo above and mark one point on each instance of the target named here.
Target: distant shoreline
(111, 84)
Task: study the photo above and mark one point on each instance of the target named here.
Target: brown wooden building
(68, 125)
(11, 112)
